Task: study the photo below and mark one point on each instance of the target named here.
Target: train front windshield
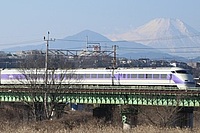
(182, 72)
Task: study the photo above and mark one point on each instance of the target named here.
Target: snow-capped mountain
(168, 35)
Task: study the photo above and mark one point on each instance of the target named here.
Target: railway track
(102, 89)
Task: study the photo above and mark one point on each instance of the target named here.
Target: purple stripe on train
(13, 76)
(58, 76)
(177, 80)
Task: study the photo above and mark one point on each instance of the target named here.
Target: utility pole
(46, 58)
(114, 63)
(115, 56)
(46, 109)
(86, 43)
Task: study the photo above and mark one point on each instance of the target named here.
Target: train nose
(190, 83)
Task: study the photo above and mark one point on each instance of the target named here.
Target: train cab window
(182, 71)
(140, 75)
(107, 76)
(87, 76)
(155, 76)
(93, 76)
(163, 76)
(133, 76)
(100, 75)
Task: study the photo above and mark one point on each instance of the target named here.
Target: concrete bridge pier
(57, 111)
(104, 111)
(129, 115)
(185, 117)
(124, 115)
(39, 111)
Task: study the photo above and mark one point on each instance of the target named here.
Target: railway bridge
(107, 95)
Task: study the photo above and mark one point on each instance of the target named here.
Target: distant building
(2, 54)
(29, 52)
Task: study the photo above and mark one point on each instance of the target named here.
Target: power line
(22, 42)
(129, 48)
(69, 40)
(107, 41)
(170, 50)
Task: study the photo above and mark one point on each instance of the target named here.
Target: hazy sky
(26, 21)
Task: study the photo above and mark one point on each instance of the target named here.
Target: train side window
(70, 76)
(100, 75)
(80, 76)
(87, 76)
(59, 76)
(140, 75)
(155, 76)
(124, 75)
(163, 76)
(128, 75)
(133, 76)
(173, 71)
(74, 76)
(149, 76)
(64, 76)
(93, 76)
(107, 76)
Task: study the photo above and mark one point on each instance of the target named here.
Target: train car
(160, 76)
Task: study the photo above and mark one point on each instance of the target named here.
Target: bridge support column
(104, 111)
(39, 111)
(129, 116)
(185, 117)
(120, 115)
(57, 111)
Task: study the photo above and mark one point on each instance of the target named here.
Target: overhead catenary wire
(22, 42)
(123, 41)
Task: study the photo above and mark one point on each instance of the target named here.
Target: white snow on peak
(166, 34)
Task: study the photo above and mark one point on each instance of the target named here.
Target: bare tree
(33, 75)
(162, 116)
(57, 80)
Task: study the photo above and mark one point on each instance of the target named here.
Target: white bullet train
(159, 76)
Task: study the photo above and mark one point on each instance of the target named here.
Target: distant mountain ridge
(168, 35)
(80, 41)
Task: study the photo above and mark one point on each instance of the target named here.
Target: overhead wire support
(46, 57)
(115, 56)
(114, 63)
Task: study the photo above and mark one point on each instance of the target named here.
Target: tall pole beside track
(46, 57)
(114, 63)
(115, 56)
(46, 75)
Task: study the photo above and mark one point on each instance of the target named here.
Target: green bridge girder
(144, 97)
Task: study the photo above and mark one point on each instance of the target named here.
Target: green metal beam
(105, 98)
